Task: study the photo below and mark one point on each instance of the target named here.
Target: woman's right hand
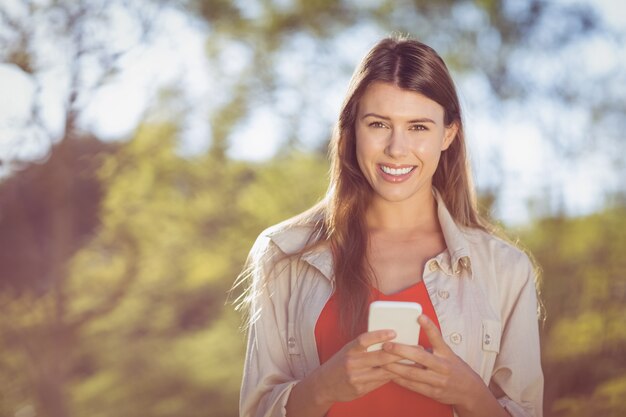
(348, 374)
(353, 371)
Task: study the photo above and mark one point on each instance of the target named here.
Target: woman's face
(400, 135)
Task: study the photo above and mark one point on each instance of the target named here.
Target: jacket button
(291, 342)
(443, 294)
(456, 338)
(487, 339)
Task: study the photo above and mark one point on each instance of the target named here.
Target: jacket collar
(455, 237)
(292, 239)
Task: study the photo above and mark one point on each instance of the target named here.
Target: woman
(399, 222)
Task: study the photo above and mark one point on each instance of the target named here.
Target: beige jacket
(482, 289)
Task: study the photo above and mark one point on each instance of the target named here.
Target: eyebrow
(420, 120)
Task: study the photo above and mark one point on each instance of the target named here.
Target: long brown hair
(411, 65)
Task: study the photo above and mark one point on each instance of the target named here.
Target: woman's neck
(416, 215)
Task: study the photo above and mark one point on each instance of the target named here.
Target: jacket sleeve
(517, 370)
(267, 378)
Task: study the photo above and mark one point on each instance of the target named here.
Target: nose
(397, 145)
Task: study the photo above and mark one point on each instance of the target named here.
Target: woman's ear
(449, 134)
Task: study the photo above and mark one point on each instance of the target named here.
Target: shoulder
(507, 261)
(268, 263)
(281, 241)
(495, 245)
(285, 237)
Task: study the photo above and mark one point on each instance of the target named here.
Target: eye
(418, 127)
(377, 125)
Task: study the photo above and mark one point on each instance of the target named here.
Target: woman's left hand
(440, 375)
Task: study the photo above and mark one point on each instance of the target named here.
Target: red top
(390, 399)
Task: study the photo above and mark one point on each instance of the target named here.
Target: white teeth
(396, 171)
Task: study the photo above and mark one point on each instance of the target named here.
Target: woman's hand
(353, 371)
(350, 373)
(442, 375)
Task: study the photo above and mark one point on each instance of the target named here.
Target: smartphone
(400, 316)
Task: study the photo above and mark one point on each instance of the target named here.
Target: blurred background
(144, 144)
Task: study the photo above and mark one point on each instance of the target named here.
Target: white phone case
(399, 316)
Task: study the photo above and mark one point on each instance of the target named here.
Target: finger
(433, 333)
(372, 375)
(365, 340)
(419, 387)
(416, 354)
(364, 381)
(382, 357)
(374, 359)
(371, 386)
(415, 374)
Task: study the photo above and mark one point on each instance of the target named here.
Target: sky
(177, 56)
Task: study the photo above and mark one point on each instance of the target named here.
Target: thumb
(433, 333)
(365, 340)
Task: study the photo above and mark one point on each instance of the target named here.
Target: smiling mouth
(396, 172)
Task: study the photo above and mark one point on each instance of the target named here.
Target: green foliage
(289, 185)
(584, 290)
(141, 315)
(607, 400)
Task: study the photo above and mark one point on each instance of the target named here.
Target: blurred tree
(140, 312)
(49, 211)
(584, 290)
(65, 48)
